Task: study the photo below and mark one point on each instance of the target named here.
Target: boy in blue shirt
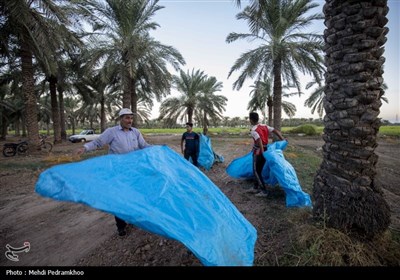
(191, 140)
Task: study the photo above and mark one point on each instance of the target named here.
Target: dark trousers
(192, 154)
(121, 224)
(258, 165)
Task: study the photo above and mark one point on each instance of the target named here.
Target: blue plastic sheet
(159, 191)
(276, 170)
(207, 156)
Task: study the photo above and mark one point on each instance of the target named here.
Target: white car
(84, 136)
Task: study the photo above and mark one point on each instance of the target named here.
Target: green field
(384, 130)
(392, 130)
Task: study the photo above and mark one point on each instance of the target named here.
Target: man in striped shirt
(121, 139)
(260, 134)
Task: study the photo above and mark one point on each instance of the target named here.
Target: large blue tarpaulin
(207, 156)
(159, 191)
(277, 170)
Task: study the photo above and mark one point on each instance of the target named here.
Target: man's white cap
(125, 111)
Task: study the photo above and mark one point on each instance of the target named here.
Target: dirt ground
(68, 234)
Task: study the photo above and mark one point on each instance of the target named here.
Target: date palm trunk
(55, 115)
(28, 89)
(60, 91)
(270, 106)
(346, 193)
(277, 96)
(102, 114)
(205, 122)
(4, 126)
(134, 103)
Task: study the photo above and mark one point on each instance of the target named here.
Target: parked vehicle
(21, 148)
(84, 136)
(11, 149)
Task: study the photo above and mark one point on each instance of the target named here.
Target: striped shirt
(119, 140)
(260, 131)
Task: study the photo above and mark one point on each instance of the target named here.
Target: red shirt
(260, 131)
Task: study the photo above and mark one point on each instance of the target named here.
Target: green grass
(217, 130)
(390, 130)
(43, 164)
(307, 129)
(318, 246)
(211, 130)
(306, 164)
(23, 165)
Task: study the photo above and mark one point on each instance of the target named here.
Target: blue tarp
(207, 156)
(159, 191)
(276, 170)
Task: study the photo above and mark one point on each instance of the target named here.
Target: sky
(198, 30)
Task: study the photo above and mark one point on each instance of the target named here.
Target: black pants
(193, 154)
(258, 165)
(121, 224)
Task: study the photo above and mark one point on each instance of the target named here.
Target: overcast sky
(198, 29)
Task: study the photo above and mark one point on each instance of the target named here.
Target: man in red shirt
(260, 134)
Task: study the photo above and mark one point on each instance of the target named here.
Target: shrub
(307, 129)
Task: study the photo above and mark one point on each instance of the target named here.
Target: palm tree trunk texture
(72, 120)
(277, 93)
(190, 114)
(4, 126)
(17, 125)
(126, 82)
(102, 115)
(270, 106)
(22, 126)
(62, 112)
(134, 102)
(205, 122)
(346, 193)
(54, 109)
(28, 89)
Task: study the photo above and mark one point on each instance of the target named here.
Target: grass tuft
(319, 246)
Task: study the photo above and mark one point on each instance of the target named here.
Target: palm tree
(71, 106)
(128, 48)
(11, 99)
(191, 85)
(152, 74)
(7, 109)
(235, 121)
(261, 98)
(65, 76)
(29, 26)
(94, 90)
(288, 107)
(346, 192)
(315, 101)
(284, 49)
(143, 112)
(210, 105)
(225, 121)
(44, 106)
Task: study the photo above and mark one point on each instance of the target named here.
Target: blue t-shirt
(191, 141)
